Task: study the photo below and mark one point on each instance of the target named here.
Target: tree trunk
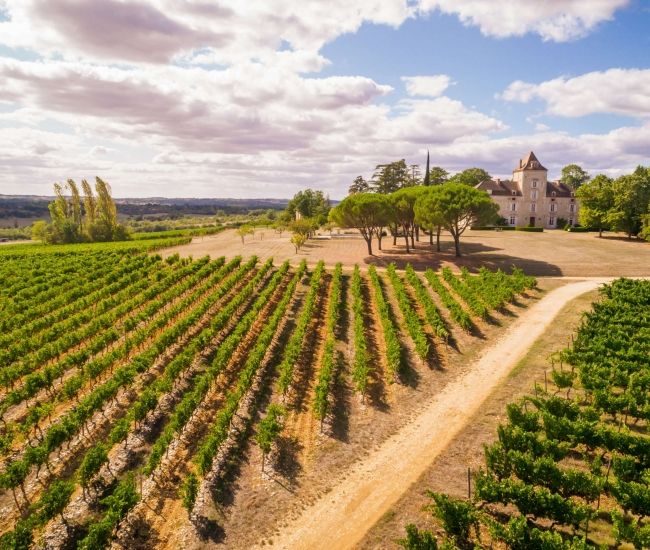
(431, 237)
(457, 245)
(438, 239)
(417, 233)
(412, 231)
(600, 232)
(369, 243)
(379, 237)
(406, 239)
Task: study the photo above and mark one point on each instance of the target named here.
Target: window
(570, 221)
(534, 183)
(513, 206)
(551, 221)
(533, 194)
(512, 220)
(572, 208)
(514, 193)
(533, 207)
(553, 207)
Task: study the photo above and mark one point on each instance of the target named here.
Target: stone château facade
(530, 199)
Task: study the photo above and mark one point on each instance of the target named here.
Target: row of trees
(388, 178)
(451, 206)
(76, 219)
(621, 204)
(400, 199)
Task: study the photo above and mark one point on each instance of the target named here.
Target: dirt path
(341, 518)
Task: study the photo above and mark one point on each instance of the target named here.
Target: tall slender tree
(59, 209)
(427, 177)
(90, 206)
(106, 211)
(75, 204)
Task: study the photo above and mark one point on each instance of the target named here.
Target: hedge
(530, 229)
(493, 228)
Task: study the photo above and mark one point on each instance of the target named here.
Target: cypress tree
(427, 180)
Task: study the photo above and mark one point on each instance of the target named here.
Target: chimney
(521, 163)
(498, 181)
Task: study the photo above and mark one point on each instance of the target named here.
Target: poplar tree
(106, 211)
(95, 220)
(90, 206)
(75, 205)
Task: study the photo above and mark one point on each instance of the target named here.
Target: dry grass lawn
(552, 253)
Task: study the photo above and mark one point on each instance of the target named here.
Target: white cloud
(430, 86)
(556, 20)
(200, 99)
(99, 151)
(159, 30)
(617, 91)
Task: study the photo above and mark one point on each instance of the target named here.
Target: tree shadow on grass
(475, 256)
(623, 238)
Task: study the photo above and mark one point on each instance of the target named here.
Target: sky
(262, 98)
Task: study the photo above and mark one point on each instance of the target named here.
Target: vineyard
(571, 467)
(131, 384)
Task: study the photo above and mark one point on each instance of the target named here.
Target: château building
(530, 199)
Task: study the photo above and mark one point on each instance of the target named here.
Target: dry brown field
(552, 253)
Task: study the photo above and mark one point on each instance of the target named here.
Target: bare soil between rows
(368, 489)
(261, 506)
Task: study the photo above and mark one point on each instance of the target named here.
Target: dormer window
(553, 193)
(514, 193)
(573, 194)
